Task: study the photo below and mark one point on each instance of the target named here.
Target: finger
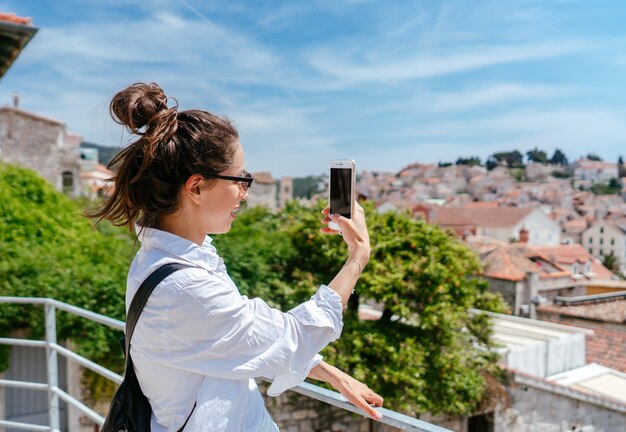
(326, 230)
(361, 403)
(374, 399)
(326, 210)
(326, 220)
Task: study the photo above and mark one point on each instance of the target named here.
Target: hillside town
(550, 235)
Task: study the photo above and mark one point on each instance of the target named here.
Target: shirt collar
(204, 256)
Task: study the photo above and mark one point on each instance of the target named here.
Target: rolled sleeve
(284, 382)
(324, 309)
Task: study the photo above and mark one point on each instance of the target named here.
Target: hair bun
(136, 105)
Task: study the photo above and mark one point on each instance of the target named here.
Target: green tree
(427, 352)
(621, 169)
(593, 157)
(558, 158)
(611, 263)
(513, 159)
(537, 156)
(471, 161)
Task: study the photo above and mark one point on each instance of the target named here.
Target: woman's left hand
(358, 394)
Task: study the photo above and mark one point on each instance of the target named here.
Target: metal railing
(55, 394)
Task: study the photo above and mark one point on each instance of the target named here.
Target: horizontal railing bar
(102, 319)
(390, 418)
(78, 404)
(87, 363)
(24, 426)
(23, 342)
(24, 384)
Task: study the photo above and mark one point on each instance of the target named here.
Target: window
(601, 252)
(612, 241)
(591, 251)
(590, 240)
(601, 241)
(601, 230)
(68, 181)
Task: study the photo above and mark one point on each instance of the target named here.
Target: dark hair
(171, 147)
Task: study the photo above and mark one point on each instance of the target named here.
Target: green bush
(47, 249)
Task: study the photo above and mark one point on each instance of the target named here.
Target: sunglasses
(244, 181)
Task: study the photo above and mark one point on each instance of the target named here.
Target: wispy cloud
(343, 65)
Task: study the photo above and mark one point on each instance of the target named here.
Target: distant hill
(105, 153)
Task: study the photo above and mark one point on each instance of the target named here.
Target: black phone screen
(340, 191)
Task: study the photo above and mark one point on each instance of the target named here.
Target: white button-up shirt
(199, 340)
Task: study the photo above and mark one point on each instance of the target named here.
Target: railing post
(53, 373)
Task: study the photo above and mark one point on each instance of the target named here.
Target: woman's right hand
(353, 231)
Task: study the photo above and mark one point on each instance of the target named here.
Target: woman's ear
(193, 187)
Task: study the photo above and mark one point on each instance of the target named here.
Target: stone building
(269, 192)
(44, 145)
(263, 191)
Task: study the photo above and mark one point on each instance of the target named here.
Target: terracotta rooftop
(14, 19)
(494, 216)
(511, 262)
(450, 217)
(566, 254)
(576, 225)
(482, 204)
(607, 348)
(605, 310)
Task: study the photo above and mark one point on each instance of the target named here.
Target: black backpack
(130, 410)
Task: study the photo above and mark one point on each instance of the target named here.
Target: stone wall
(538, 408)
(40, 144)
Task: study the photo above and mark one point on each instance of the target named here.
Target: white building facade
(607, 237)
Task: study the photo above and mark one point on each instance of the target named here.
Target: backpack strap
(136, 307)
(141, 298)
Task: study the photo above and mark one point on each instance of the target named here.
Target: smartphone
(341, 190)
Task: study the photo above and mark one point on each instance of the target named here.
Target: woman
(198, 341)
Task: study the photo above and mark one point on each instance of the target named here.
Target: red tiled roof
(450, 217)
(14, 19)
(601, 272)
(482, 204)
(568, 254)
(576, 225)
(606, 310)
(496, 216)
(607, 348)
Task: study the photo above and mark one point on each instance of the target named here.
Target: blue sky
(385, 83)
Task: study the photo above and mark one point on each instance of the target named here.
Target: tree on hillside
(471, 161)
(621, 169)
(593, 157)
(558, 158)
(537, 156)
(427, 352)
(513, 159)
